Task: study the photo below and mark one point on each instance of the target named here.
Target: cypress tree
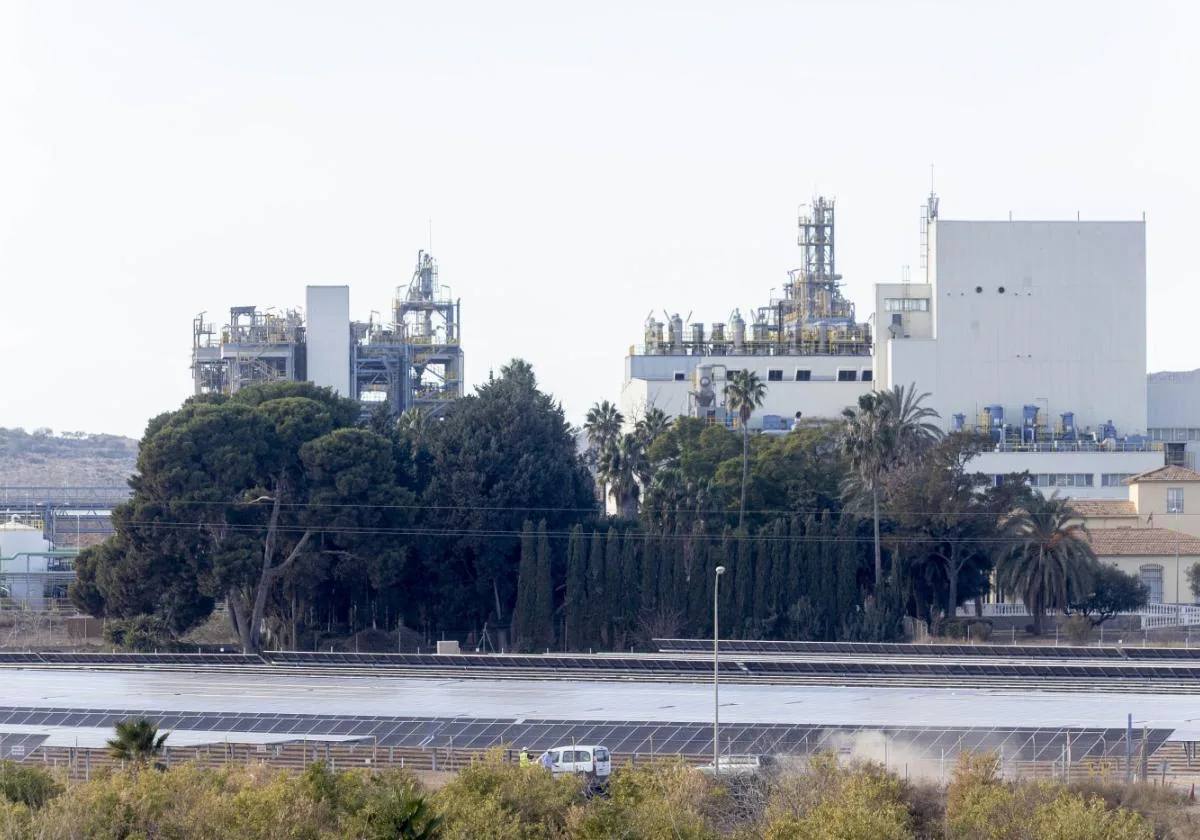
(729, 549)
(698, 606)
(762, 576)
(848, 601)
(595, 592)
(648, 595)
(631, 549)
(743, 585)
(523, 615)
(574, 607)
(543, 606)
(666, 578)
(612, 587)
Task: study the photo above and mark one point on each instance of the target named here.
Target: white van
(589, 760)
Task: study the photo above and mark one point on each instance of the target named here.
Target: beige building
(1159, 557)
(1153, 533)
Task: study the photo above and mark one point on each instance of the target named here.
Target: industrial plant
(410, 359)
(807, 338)
(1032, 332)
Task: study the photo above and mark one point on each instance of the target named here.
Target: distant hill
(43, 458)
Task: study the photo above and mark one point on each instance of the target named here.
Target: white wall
(327, 334)
(1068, 332)
(650, 380)
(1095, 463)
(1173, 400)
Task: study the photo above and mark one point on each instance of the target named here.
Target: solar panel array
(58, 658)
(683, 667)
(756, 646)
(17, 745)
(623, 737)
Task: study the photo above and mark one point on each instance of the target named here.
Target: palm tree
(744, 392)
(885, 427)
(1050, 560)
(602, 425)
(623, 468)
(414, 423)
(137, 740)
(650, 427)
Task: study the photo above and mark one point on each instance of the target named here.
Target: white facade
(1031, 313)
(817, 386)
(327, 336)
(1080, 475)
(1173, 414)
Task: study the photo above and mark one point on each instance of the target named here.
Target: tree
(949, 519)
(744, 393)
(884, 428)
(602, 426)
(575, 602)
(543, 601)
(652, 426)
(136, 740)
(1051, 562)
(499, 456)
(524, 612)
(1193, 578)
(623, 469)
(1112, 592)
(239, 472)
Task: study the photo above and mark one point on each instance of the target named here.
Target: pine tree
(574, 608)
(543, 607)
(523, 615)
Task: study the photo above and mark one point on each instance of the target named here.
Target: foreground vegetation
(493, 799)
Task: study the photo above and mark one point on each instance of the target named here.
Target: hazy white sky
(583, 164)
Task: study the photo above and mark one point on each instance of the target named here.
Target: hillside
(42, 458)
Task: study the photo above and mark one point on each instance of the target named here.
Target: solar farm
(1044, 710)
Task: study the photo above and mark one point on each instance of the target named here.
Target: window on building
(847, 376)
(906, 304)
(774, 375)
(1062, 479)
(803, 375)
(1174, 500)
(1114, 479)
(1151, 576)
(867, 375)
(1175, 454)
(680, 376)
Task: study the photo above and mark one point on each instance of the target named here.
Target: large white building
(1034, 332)
(1031, 331)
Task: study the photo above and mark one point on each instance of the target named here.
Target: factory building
(1034, 333)
(805, 345)
(411, 359)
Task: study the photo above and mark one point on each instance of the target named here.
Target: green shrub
(495, 800)
(1077, 629)
(24, 785)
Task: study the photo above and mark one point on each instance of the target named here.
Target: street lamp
(716, 674)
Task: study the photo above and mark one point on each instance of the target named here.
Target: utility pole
(717, 673)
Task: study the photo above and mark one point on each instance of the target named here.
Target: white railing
(1153, 616)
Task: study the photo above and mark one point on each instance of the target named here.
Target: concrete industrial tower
(412, 360)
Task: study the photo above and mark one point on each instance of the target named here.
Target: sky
(579, 165)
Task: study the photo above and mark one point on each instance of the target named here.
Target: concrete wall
(1067, 332)
(327, 333)
(650, 381)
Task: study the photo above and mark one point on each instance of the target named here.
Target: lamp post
(716, 673)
